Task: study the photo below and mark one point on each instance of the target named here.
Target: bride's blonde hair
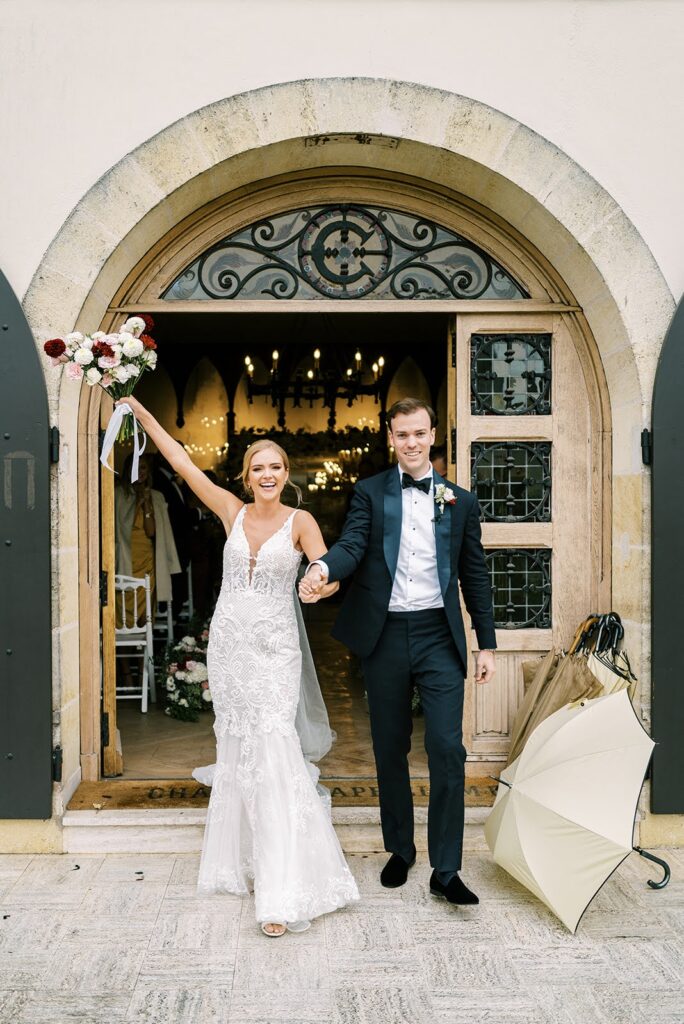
(260, 446)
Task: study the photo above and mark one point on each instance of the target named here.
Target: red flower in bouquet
(54, 348)
(147, 341)
(149, 322)
(101, 348)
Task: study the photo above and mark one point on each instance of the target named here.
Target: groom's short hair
(405, 406)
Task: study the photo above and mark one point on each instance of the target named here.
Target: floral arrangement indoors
(187, 679)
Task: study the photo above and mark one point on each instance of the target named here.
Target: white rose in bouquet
(135, 325)
(83, 356)
(131, 346)
(73, 340)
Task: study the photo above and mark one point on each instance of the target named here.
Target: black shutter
(667, 791)
(25, 625)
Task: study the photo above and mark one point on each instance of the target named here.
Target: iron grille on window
(521, 587)
(345, 251)
(512, 480)
(510, 374)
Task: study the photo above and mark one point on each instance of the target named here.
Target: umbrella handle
(656, 860)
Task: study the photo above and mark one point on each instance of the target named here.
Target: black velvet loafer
(454, 892)
(395, 871)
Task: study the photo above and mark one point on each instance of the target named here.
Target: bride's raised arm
(218, 499)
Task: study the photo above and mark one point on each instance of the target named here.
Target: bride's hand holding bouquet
(115, 362)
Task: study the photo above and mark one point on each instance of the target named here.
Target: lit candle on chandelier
(357, 357)
(375, 371)
(381, 364)
(274, 367)
(249, 366)
(317, 360)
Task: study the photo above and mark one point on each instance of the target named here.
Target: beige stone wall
(437, 136)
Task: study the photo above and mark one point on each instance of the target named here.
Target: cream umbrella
(563, 817)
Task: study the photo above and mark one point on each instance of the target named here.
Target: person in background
(438, 458)
(207, 538)
(143, 536)
(182, 518)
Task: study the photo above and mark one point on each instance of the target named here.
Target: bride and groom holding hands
(409, 539)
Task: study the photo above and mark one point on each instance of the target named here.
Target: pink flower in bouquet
(107, 380)
(74, 371)
(190, 664)
(205, 686)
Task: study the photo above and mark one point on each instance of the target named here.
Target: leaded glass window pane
(512, 480)
(521, 587)
(510, 374)
(345, 251)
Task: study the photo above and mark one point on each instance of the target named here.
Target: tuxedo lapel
(392, 510)
(443, 538)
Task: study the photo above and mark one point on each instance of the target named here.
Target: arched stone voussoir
(476, 149)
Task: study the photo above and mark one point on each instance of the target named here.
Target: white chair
(163, 621)
(134, 640)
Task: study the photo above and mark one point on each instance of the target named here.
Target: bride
(268, 829)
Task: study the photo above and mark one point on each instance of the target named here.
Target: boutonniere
(443, 496)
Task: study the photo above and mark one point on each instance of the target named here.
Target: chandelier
(315, 384)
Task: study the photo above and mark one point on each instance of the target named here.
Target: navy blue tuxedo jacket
(368, 549)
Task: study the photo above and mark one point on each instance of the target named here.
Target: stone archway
(522, 179)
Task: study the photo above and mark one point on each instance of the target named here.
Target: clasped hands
(311, 585)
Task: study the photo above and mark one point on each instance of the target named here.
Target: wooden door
(521, 438)
(112, 759)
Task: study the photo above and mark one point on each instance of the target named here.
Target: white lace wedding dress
(267, 827)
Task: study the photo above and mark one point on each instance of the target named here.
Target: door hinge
(104, 728)
(104, 579)
(453, 445)
(453, 345)
(57, 764)
(54, 444)
(646, 447)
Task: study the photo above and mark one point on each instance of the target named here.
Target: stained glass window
(510, 374)
(521, 587)
(345, 251)
(512, 480)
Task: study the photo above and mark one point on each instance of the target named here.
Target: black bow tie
(423, 485)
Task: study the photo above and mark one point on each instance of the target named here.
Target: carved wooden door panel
(521, 436)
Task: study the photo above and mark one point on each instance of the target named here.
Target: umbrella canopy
(564, 814)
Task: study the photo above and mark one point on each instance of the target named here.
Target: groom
(409, 539)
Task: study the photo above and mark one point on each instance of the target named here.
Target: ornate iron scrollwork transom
(521, 587)
(344, 251)
(510, 374)
(512, 480)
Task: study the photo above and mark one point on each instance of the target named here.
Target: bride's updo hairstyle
(260, 446)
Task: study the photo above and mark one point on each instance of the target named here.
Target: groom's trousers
(418, 646)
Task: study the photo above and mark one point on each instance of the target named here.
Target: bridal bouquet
(115, 362)
(187, 679)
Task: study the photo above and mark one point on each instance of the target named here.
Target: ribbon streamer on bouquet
(112, 432)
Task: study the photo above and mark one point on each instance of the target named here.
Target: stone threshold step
(180, 830)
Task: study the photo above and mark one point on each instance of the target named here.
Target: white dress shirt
(416, 581)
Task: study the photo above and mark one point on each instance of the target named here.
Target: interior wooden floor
(159, 752)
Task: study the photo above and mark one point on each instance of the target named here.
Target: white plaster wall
(83, 83)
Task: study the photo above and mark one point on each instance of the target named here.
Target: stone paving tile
(125, 867)
(307, 1007)
(93, 945)
(180, 1006)
(476, 1005)
(396, 1005)
(108, 970)
(279, 968)
(208, 933)
(136, 899)
(351, 968)
(61, 1008)
(187, 969)
(11, 1005)
(31, 931)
